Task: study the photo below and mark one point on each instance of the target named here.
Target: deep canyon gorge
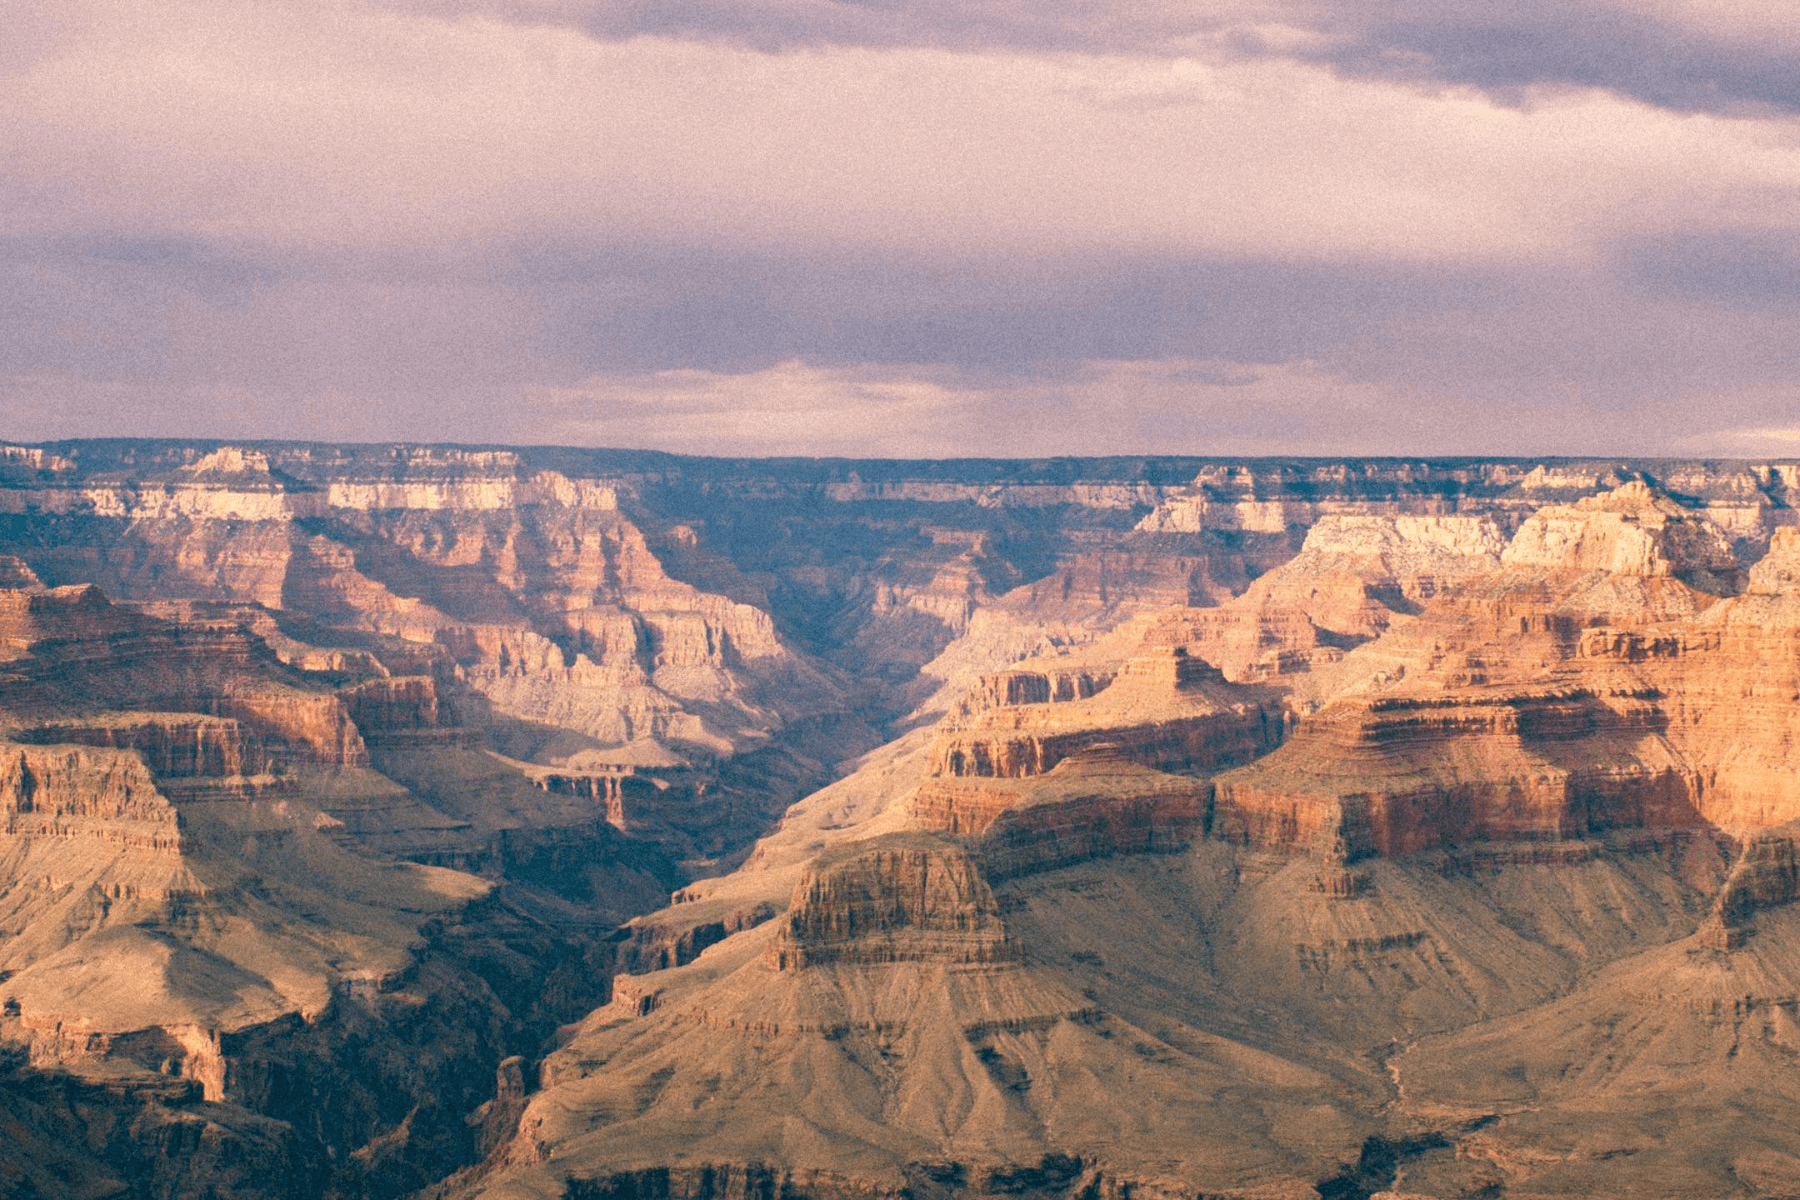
(396, 820)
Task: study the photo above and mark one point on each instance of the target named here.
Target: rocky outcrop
(393, 705)
(1395, 776)
(1580, 687)
(630, 799)
(1764, 874)
(658, 945)
(1355, 576)
(1631, 530)
(31, 617)
(59, 792)
(75, 651)
(969, 806)
(1201, 741)
(1096, 804)
(1162, 711)
(313, 726)
(1045, 684)
(898, 899)
(1777, 573)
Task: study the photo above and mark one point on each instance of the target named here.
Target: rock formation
(563, 823)
(1575, 689)
(899, 899)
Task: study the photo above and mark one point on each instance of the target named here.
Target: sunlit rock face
(1631, 530)
(1581, 686)
(560, 823)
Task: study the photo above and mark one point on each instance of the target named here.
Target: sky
(886, 228)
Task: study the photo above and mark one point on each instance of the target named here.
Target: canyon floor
(383, 821)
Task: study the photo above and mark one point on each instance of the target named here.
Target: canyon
(381, 821)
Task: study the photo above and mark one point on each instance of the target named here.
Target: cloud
(1770, 442)
(873, 411)
(1686, 55)
(975, 356)
(1165, 406)
(790, 408)
(1740, 268)
(333, 125)
(1053, 228)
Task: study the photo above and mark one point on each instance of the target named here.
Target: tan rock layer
(1195, 742)
(893, 900)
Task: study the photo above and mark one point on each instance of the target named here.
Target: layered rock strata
(1090, 806)
(901, 899)
(1451, 779)
(1575, 689)
(1164, 710)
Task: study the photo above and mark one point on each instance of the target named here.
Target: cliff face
(1631, 530)
(171, 745)
(546, 594)
(1094, 805)
(1395, 777)
(1163, 709)
(894, 901)
(1274, 497)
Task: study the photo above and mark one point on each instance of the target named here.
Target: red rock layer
(1035, 685)
(1042, 837)
(1587, 685)
(63, 792)
(312, 725)
(172, 745)
(31, 617)
(393, 705)
(1394, 776)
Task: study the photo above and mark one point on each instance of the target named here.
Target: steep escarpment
(1631, 530)
(194, 748)
(561, 615)
(325, 1007)
(204, 961)
(554, 622)
(1097, 804)
(1395, 776)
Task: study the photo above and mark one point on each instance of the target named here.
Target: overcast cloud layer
(993, 227)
